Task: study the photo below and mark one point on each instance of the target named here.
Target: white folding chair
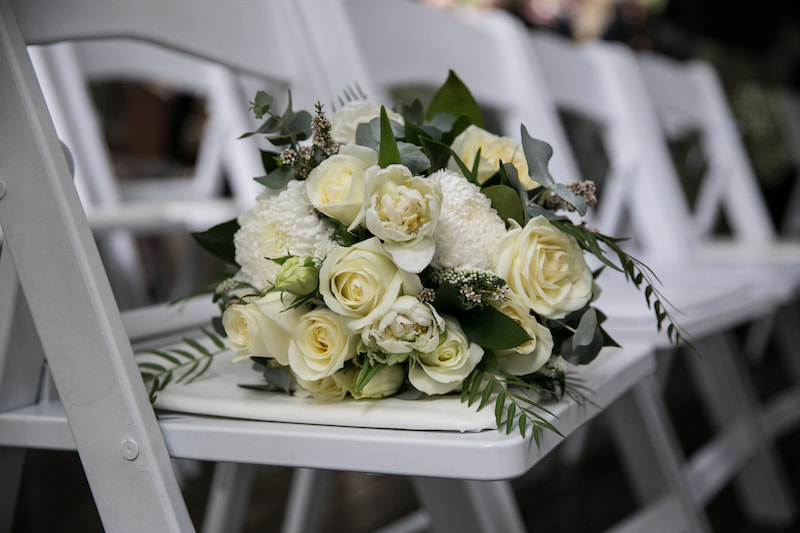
(57, 306)
(604, 82)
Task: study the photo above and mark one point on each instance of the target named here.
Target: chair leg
(652, 457)
(729, 398)
(309, 488)
(11, 462)
(467, 506)
(228, 498)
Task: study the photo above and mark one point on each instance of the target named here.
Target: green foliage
(388, 154)
(512, 402)
(178, 364)
(634, 270)
(506, 202)
(455, 99)
(538, 154)
(288, 128)
(218, 241)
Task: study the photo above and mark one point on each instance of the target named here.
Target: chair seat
(489, 454)
(191, 215)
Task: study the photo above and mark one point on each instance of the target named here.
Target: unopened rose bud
(298, 275)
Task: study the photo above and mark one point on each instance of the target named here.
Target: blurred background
(155, 130)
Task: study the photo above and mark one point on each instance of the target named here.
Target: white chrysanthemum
(278, 225)
(468, 227)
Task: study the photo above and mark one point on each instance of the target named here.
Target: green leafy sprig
(634, 270)
(181, 365)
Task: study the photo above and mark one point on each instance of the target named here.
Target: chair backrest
(689, 96)
(641, 196)
(48, 237)
(486, 51)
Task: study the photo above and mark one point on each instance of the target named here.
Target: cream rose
(331, 388)
(262, 327)
(336, 186)
(386, 381)
(409, 325)
(531, 355)
(545, 267)
(493, 150)
(444, 369)
(402, 211)
(321, 344)
(345, 121)
(362, 282)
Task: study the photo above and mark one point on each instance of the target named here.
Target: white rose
(545, 267)
(362, 282)
(386, 381)
(493, 150)
(321, 344)
(336, 186)
(331, 388)
(345, 121)
(444, 369)
(262, 327)
(409, 325)
(531, 355)
(402, 211)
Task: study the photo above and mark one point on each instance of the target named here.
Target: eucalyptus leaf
(261, 104)
(413, 113)
(537, 154)
(582, 355)
(454, 98)
(535, 210)
(442, 121)
(219, 240)
(413, 157)
(278, 377)
(586, 328)
(369, 133)
(506, 202)
(278, 178)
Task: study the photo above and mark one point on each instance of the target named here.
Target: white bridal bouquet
(411, 252)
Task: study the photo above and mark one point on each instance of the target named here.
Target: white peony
(402, 210)
(444, 369)
(278, 225)
(545, 267)
(345, 121)
(409, 325)
(468, 226)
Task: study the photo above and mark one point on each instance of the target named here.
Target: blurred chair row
(524, 78)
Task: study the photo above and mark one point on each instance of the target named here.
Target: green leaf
(506, 202)
(586, 328)
(512, 410)
(200, 372)
(413, 113)
(219, 241)
(388, 154)
(261, 104)
(499, 406)
(368, 371)
(455, 99)
(535, 210)
(487, 392)
(278, 178)
(538, 154)
(153, 366)
(447, 299)
(492, 329)
(475, 387)
(269, 160)
(196, 345)
(523, 424)
(278, 377)
(438, 153)
(171, 358)
(582, 354)
(369, 134)
(413, 157)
